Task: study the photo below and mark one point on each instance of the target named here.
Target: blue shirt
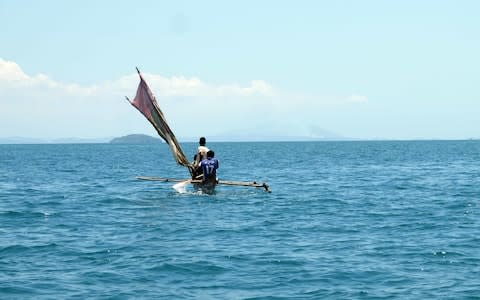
(209, 167)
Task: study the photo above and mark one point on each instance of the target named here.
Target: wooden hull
(207, 187)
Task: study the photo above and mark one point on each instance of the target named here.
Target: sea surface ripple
(345, 220)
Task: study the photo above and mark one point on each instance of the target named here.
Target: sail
(146, 103)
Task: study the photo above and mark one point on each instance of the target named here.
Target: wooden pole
(222, 182)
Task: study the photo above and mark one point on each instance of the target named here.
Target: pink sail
(146, 103)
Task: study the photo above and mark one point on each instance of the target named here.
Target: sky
(354, 69)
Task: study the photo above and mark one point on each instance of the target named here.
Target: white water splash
(181, 187)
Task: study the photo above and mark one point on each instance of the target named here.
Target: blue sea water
(345, 220)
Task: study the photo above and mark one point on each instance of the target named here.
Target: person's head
(210, 154)
(202, 141)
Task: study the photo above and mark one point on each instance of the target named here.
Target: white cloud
(39, 106)
(10, 71)
(194, 87)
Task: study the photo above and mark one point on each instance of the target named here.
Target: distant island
(136, 139)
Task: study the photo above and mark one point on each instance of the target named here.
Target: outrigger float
(146, 103)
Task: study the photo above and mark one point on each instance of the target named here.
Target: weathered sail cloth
(146, 103)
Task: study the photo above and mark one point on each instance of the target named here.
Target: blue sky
(361, 69)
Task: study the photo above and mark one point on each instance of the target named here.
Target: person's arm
(204, 171)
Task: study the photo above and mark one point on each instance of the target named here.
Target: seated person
(209, 167)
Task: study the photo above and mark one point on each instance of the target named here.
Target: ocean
(345, 220)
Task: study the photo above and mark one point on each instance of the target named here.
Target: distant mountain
(79, 141)
(21, 140)
(136, 139)
(309, 133)
(317, 133)
(267, 138)
(27, 140)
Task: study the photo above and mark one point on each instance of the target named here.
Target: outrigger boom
(222, 182)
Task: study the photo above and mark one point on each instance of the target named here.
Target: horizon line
(107, 140)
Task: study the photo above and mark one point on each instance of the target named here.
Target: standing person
(209, 167)
(199, 156)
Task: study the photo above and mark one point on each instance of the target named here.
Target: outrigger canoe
(146, 103)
